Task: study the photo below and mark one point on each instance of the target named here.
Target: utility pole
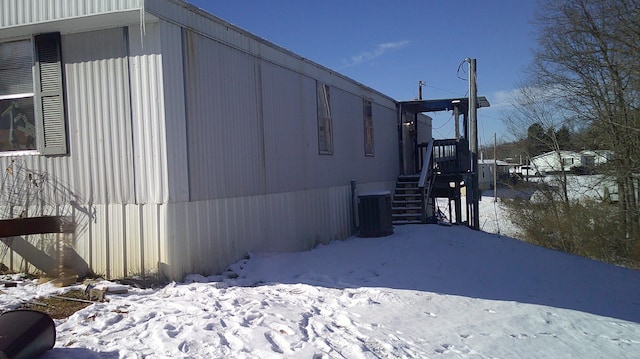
(495, 169)
(473, 142)
(456, 116)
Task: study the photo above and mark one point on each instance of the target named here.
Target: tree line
(582, 91)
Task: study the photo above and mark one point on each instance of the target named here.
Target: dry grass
(59, 308)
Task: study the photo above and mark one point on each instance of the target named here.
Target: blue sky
(391, 45)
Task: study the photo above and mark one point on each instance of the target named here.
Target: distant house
(552, 162)
(179, 142)
(486, 170)
(599, 156)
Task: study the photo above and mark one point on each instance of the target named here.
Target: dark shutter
(52, 136)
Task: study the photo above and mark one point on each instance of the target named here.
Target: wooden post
(495, 169)
(473, 140)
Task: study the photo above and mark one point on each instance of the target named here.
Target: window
(368, 128)
(325, 141)
(31, 103)
(17, 116)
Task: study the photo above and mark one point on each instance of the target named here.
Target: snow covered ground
(427, 291)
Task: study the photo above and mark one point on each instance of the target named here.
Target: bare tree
(590, 49)
(587, 67)
(536, 110)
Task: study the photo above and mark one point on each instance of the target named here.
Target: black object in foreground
(26, 334)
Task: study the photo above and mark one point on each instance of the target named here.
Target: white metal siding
(121, 240)
(289, 114)
(116, 241)
(251, 122)
(187, 152)
(223, 32)
(348, 136)
(95, 182)
(174, 113)
(206, 236)
(223, 120)
(22, 12)
(99, 115)
(147, 103)
(386, 162)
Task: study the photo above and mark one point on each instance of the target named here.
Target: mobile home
(176, 141)
(558, 161)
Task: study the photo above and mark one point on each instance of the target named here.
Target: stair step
(404, 177)
(407, 193)
(407, 189)
(406, 208)
(400, 223)
(404, 196)
(407, 201)
(407, 185)
(406, 216)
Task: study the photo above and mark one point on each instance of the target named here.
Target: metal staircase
(445, 166)
(407, 201)
(412, 202)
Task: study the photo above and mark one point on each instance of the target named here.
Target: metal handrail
(426, 165)
(426, 173)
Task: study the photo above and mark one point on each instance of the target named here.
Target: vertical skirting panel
(121, 240)
(133, 240)
(150, 234)
(206, 236)
(99, 230)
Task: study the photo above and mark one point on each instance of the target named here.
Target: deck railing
(440, 157)
(448, 156)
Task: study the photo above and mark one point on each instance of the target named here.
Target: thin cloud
(381, 49)
(523, 95)
(501, 99)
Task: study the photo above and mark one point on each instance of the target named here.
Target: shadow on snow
(457, 261)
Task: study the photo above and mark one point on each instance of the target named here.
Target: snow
(427, 291)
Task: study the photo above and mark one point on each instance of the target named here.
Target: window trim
(325, 122)
(23, 95)
(48, 97)
(367, 123)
